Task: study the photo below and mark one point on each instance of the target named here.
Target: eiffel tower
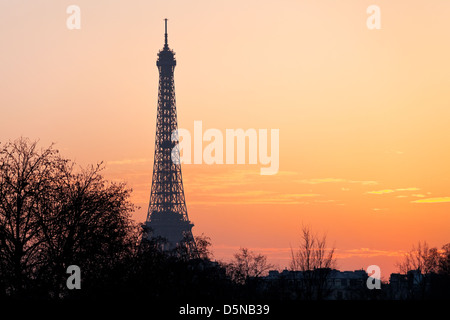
(167, 217)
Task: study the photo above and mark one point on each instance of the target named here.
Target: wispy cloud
(433, 200)
(226, 178)
(382, 191)
(254, 197)
(128, 161)
(335, 180)
(367, 253)
(340, 253)
(364, 182)
(385, 191)
(321, 180)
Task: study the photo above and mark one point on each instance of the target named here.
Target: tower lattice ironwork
(167, 216)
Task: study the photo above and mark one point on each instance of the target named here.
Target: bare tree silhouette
(426, 272)
(444, 263)
(246, 265)
(52, 217)
(421, 258)
(315, 260)
(203, 243)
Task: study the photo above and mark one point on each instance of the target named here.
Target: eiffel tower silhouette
(167, 217)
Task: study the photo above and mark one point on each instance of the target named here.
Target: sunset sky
(363, 115)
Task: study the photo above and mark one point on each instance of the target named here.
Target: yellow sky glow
(362, 114)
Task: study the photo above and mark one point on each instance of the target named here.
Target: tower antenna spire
(165, 34)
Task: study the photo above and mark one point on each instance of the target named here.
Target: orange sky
(363, 115)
